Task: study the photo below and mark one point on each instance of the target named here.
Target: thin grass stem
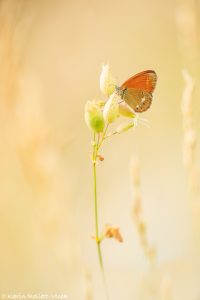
(96, 145)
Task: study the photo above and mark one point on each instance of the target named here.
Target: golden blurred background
(51, 54)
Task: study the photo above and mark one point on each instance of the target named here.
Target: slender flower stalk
(95, 153)
(98, 116)
(96, 146)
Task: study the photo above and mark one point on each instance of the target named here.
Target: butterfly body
(137, 90)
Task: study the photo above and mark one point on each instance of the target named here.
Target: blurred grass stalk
(140, 224)
(88, 290)
(190, 136)
(187, 19)
(157, 284)
(189, 151)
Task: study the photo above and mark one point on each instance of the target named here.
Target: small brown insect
(137, 90)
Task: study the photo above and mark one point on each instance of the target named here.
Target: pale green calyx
(94, 116)
(107, 81)
(124, 127)
(111, 108)
(126, 111)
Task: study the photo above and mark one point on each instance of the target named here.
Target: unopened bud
(101, 158)
(124, 127)
(113, 232)
(111, 108)
(94, 116)
(107, 81)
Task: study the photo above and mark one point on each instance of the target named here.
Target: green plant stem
(102, 138)
(96, 217)
(96, 146)
(98, 241)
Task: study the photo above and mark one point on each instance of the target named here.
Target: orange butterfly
(137, 90)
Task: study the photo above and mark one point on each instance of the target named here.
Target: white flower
(111, 108)
(107, 81)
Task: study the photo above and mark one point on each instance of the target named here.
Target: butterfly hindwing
(138, 100)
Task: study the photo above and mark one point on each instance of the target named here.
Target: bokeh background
(51, 54)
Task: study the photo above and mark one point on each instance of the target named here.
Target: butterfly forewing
(145, 81)
(137, 90)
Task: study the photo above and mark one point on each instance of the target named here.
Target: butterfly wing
(137, 90)
(138, 100)
(145, 81)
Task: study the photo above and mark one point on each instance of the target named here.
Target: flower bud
(124, 127)
(94, 116)
(111, 108)
(126, 111)
(107, 81)
(113, 232)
